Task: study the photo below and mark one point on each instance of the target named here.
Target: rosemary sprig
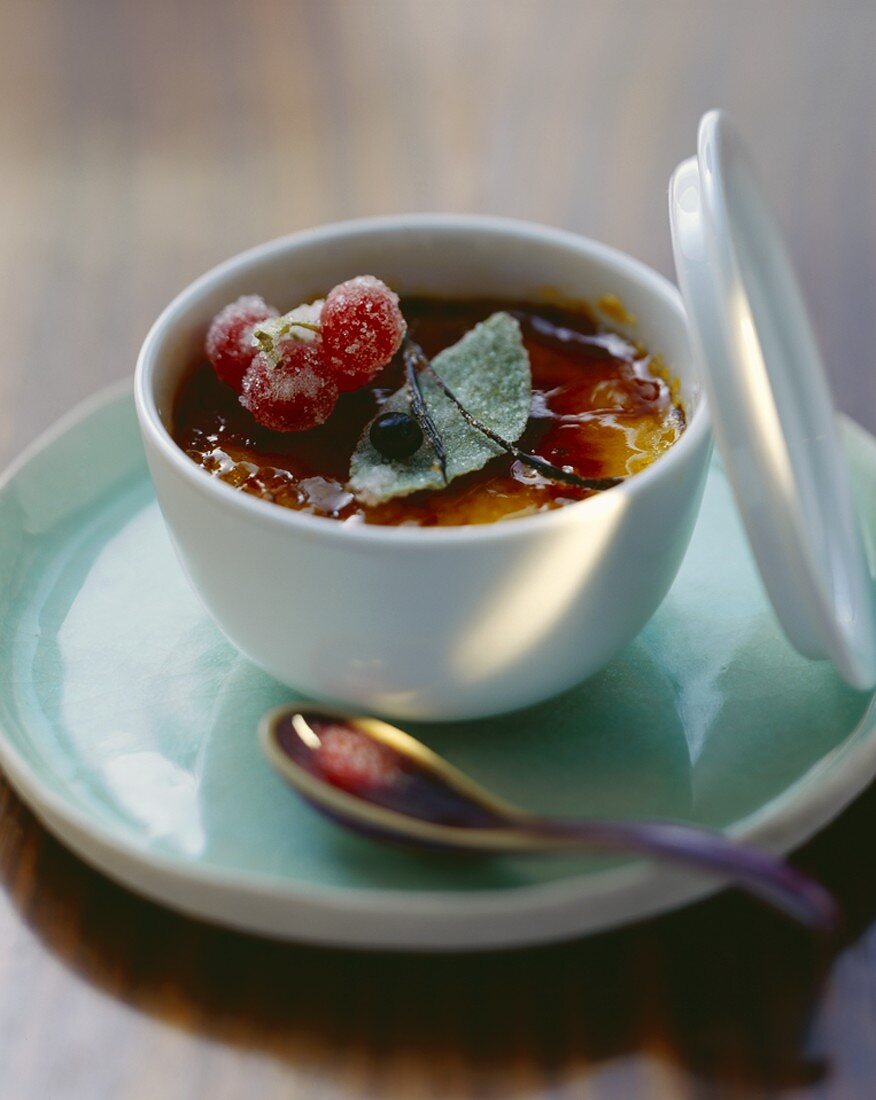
(414, 354)
(411, 353)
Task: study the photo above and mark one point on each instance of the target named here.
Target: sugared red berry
(295, 395)
(362, 328)
(396, 434)
(349, 759)
(229, 339)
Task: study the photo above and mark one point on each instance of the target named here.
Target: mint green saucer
(129, 726)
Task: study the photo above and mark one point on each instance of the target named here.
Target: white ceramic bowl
(447, 623)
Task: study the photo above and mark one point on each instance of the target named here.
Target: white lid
(774, 421)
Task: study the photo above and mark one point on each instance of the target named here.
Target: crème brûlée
(601, 407)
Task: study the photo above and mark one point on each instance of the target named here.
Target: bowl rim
(267, 513)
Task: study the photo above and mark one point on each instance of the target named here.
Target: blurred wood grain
(143, 142)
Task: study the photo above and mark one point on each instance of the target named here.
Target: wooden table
(143, 142)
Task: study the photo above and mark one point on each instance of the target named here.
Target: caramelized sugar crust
(605, 409)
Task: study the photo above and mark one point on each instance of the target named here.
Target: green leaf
(488, 370)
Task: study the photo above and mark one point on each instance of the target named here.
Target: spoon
(377, 780)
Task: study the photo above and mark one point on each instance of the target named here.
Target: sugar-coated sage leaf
(488, 370)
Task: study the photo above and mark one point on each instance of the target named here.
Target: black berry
(396, 435)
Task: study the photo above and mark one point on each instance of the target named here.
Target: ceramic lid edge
(774, 421)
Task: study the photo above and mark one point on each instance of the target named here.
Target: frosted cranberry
(362, 328)
(229, 339)
(356, 763)
(295, 395)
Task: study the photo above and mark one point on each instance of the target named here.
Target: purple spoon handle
(758, 872)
